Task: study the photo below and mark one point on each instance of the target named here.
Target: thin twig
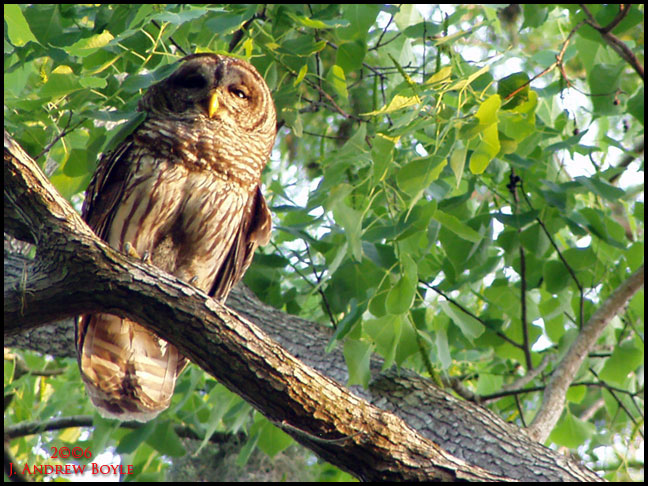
(514, 179)
(558, 63)
(466, 311)
(65, 131)
(571, 272)
(171, 39)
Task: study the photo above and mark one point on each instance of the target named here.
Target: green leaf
(457, 162)
(568, 144)
(487, 145)
(346, 324)
(351, 220)
(301, 75)
(442, 75)
(18, 30)
(510, 84)
(440, 325)
(93, 82)
(601, 188)
(361, 16)
(272, 440)
(604, 84)
(357, 355)
(576, 394)
(59, 84)
(636, 105)
(571, 432)
(401, 296)
(317, 23)
(302, 47)
(488, 383)
(470, 327)
(338, 81)
(518, 221)
(382, 154)
(464, 83)
(556, 276)
(625, 360)
(534, 15)
(422, 30)
(419, 174)
(604, 228)
(398, 102)
(91, 44)
(166, 441)
(462, 230)
(350, 55)
(385, 333)
(488, 110)
(132, 440)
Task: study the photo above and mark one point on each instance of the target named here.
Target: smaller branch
(24, 429)
(553, 401)
(518, 405)
(171, 39)
(616, 398)
(530, 375)
(591, 410)
(615, 43)
(382, 34)
(65, 131)
(9, 461)
(238, 35)
(627, 160)
(581, 317)
(463, 309)
(623, 13)
(21, 367)
(512, 186)
(558, 63)
(501, 394)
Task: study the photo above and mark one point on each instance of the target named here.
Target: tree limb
(553, 400)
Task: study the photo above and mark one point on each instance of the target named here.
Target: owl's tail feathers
(129, 372)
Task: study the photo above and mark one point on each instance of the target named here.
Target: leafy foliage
(420, 187)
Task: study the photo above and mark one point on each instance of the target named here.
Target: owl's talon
(130, 250)
(193, 280)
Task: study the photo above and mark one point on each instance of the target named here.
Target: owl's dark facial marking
(191, 81)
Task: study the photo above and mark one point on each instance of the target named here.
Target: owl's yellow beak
(213, 105)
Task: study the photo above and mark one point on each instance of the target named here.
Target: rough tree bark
(402, 428)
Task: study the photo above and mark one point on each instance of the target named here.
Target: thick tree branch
(553, 400)
(75, 273)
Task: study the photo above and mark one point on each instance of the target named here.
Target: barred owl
(182, 192)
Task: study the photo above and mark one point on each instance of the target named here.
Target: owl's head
(217, 91)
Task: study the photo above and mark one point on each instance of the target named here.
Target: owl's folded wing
(255, 230)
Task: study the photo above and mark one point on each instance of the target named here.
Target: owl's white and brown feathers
(184, 190)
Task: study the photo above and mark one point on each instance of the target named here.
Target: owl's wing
(255, 230)
(106, 189)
